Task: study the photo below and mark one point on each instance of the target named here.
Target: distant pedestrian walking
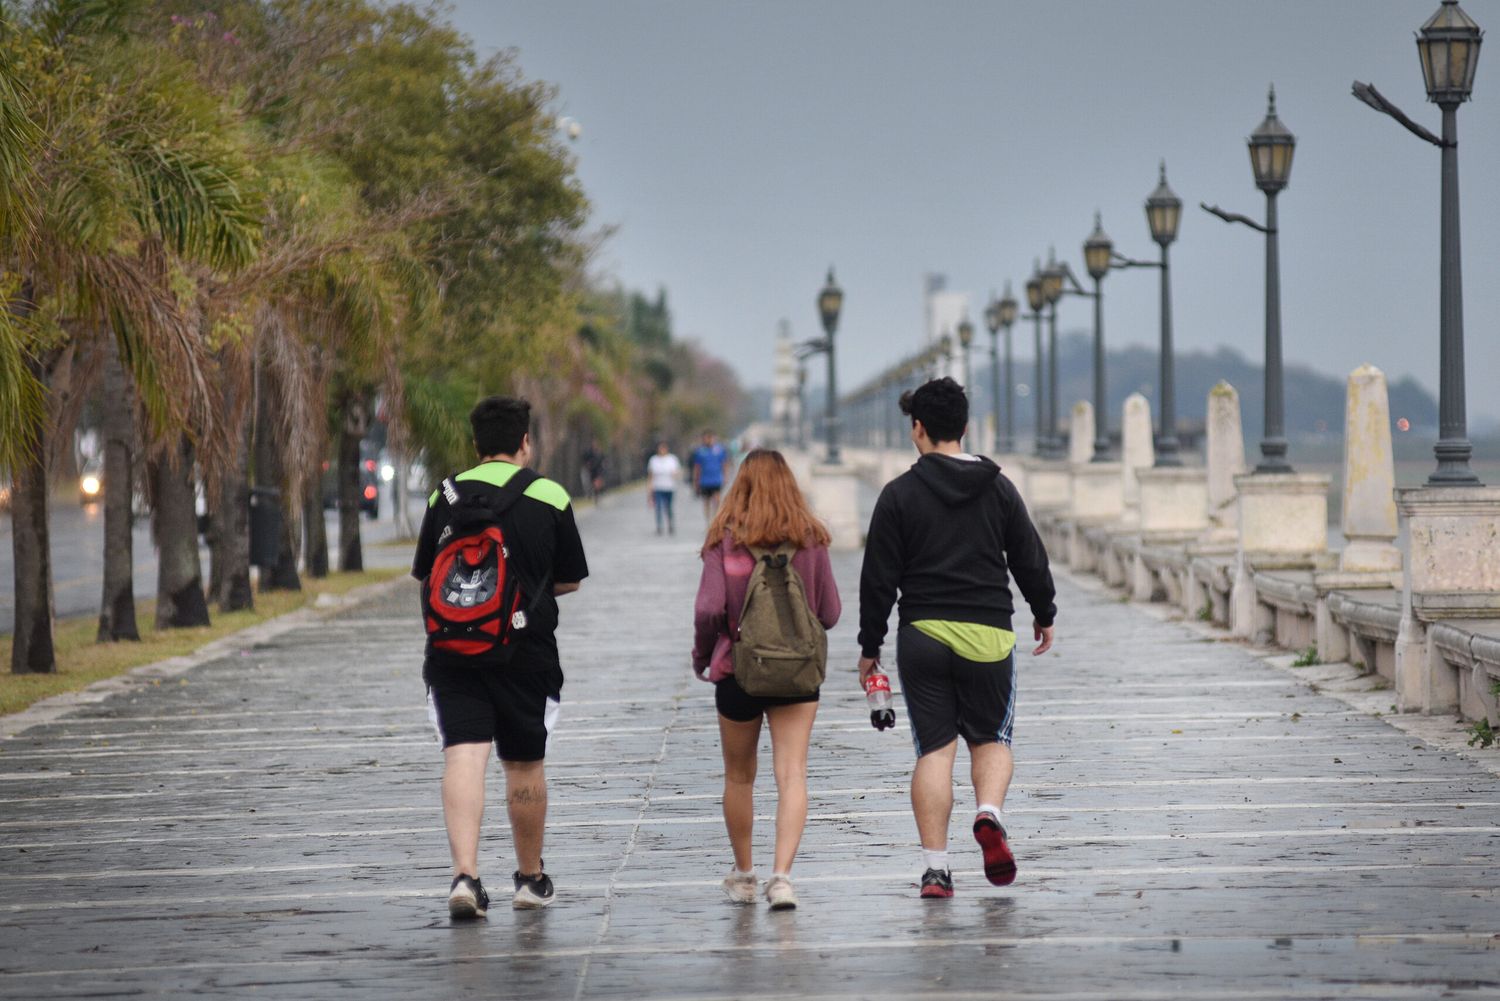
(745, 556)
(944, 535)
(712, 467)
(497, 546)
(664, 471)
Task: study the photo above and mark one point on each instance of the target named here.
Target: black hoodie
(944, 534)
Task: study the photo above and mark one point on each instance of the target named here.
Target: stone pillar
(1225, 460)
(1047, 486)
(1283, 524)
(1451, 572)
(1369, 512)
(1081, 433)
(835, 498)
(1136, 452)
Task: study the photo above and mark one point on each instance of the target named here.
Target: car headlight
(90, 485)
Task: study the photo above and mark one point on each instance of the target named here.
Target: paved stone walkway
(1189, 823)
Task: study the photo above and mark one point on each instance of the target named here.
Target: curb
(56, 706)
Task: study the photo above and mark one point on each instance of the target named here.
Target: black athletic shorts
(517, 710)
(738, 705)
(948, 696)
(708, 490)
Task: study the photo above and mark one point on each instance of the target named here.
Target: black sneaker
(937, 883)
(531, 891)
(466, 898)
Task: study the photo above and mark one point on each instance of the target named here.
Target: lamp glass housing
(1052, 282)
(830, 301)
(992, 316)
(965, 332)
(1448, 44)
(1271, 147)
(1008, 309)
(1034, 293)
(1163, 211)
(1097, 251)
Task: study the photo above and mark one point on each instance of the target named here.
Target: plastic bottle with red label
(878, 697)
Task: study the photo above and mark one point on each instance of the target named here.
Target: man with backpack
(944, 535)
(497, 545)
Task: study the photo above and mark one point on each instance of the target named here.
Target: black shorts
(708, 490)
(739, 706)
(517, 710)
(948, 696)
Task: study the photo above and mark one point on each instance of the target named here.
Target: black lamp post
(1035, 301)
(1449, 47)
(999, 315)
(801, 406)
(1163, 213)
(965, 339)
(1097, 251)
(1052, 289)
(1271, 148)
(830, 301)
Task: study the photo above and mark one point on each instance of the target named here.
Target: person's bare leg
(791, 731)
(526, 803)
(463, 803)
(932, 795)
(740, 743)
(990, 769)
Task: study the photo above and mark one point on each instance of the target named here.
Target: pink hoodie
(726, 572)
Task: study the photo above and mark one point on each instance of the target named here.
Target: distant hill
(1314, 401)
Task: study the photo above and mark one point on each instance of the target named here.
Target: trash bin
(265, 526)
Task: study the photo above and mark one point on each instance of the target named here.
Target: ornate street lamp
(1052, 289)
(830, 301)
(965, 339)
(999, 315)
(1036, 301)
(1271, 147)
(1449, 48)
(1163, 213)
(1098, 249)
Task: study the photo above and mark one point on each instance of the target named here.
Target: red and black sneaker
(937, 883)
(999, 863)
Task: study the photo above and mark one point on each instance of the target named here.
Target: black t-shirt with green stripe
(543, 541)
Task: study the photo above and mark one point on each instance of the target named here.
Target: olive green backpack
(780, 648)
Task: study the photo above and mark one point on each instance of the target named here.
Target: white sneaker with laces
(741, 887)
(780, 894)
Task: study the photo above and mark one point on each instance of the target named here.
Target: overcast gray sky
(742, 147)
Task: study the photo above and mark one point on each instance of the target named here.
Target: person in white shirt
(664, 470)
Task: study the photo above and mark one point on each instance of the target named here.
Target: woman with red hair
(764, 509)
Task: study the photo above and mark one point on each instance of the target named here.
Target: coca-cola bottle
(878, 696)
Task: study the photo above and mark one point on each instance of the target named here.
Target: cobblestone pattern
(1188, 822)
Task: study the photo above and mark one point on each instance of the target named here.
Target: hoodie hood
(956, 481)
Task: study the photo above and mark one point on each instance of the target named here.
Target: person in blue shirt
(711, 467)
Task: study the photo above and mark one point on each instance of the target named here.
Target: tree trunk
(315, 533)
(352, 428)
(180, 600)
(270, 472)
(117, 604)
(231, 528)
(32, 652)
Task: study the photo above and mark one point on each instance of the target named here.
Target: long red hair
(765, 507)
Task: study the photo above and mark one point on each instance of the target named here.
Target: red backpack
(471, 599)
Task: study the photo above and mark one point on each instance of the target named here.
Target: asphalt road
(78, 557)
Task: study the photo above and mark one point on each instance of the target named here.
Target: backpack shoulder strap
(515, 487)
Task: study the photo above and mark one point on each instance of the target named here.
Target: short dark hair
(941, 406)
(500, 424)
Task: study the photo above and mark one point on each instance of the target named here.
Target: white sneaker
(780, 893)
(740, 887)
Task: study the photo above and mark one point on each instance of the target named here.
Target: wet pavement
(1188, 821)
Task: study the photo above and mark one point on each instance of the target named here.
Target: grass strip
(81, 661)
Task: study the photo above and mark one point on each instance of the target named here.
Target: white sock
(747, 872)
(990, 808)
(936, 859)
